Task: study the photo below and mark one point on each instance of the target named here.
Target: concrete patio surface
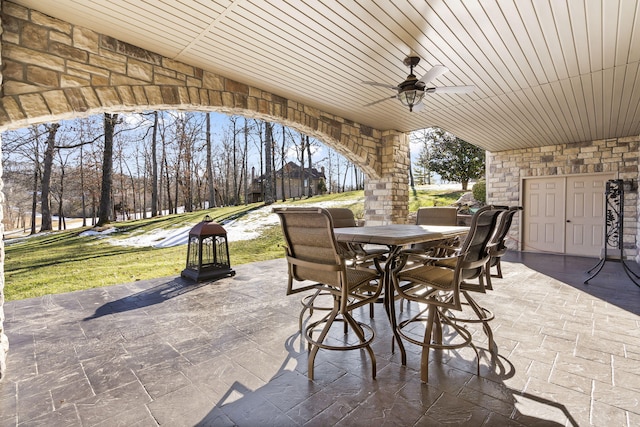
(172, 352)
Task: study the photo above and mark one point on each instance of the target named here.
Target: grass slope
(59, 262)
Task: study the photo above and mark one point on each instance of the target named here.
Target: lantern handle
(207, 218)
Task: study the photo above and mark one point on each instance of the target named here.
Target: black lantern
(208, 252)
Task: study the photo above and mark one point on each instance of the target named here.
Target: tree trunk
(45, 199)
(34, 200)
(104, 208)
(82, 195)
(282, 156)
(210, 183)
(309, 183)
(154, 167)
(268, 160)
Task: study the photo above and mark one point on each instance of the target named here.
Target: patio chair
(441, 215)
(360, 256)
(313, 255)
(497, 246)
(439, 288)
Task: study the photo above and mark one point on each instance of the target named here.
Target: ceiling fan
(412, 91)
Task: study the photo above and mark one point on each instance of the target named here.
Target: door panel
(544, 215)
(585, 214)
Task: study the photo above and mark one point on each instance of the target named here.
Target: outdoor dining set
(435, 265)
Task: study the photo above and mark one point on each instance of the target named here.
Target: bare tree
(104, 209)
(45, 200)
(268, 161)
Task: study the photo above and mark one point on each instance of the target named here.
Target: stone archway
(53, 70)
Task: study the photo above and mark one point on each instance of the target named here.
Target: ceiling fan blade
(451, 89)
(379, 100)
(433, 73)
(381, 85)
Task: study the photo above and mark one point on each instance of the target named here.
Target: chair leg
(426, 348)
(314, 348)
(360, 333)
(482, 316)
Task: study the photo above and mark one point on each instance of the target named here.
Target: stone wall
(506, 169)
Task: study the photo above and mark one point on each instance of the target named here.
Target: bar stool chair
(439, 289)
(312, 255)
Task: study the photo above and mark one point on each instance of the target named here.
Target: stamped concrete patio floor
(175, 353)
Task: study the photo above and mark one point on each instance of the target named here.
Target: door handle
(568, 220)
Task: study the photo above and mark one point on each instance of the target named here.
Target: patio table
(396, 237)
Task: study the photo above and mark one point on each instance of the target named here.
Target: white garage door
(565, 214)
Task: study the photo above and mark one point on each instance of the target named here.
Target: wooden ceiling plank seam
(208, 9)
(550, 121)
(286, 41)
(633, 104)
(533, 110)
(209, 26)
(146, 22)
(580, 34)
(634, 46)
(513, 19)
(555, 114)
(383, 67)
(625, 27)
(169, 12)
(388, 64)
(493, 112)
(563, 31)
(566, 108)
(531, 22)
(608, 76)
(578, 91)
(598, 87)
(272, 53)
(618, 93)
(610, 14)
(549, 32)
(593, 12)
(510, 109)
(468, 31)
(573, 110)
(587, 92)
(446, 36)
(498, 36)
(478, 118)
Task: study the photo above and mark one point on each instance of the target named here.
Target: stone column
(387, 198)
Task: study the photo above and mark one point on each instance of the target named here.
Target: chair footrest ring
(367, 341)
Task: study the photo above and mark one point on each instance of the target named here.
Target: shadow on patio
(229, 353)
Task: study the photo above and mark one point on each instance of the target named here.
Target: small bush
(479, 191)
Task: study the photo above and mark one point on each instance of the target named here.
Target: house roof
(545, 72)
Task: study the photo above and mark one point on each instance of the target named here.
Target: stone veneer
(507, 169)
(53, 70)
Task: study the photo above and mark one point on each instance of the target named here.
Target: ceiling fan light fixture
(411, 97)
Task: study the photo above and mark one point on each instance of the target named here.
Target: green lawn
(64, 261)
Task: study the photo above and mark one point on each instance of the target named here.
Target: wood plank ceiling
(546, 71)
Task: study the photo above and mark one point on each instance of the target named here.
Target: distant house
(295, 181)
